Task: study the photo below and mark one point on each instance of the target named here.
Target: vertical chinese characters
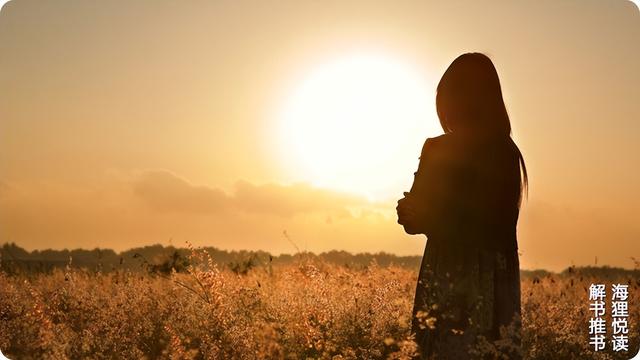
(619, 316)
(597, 324)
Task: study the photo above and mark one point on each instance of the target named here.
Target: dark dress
(466, 193)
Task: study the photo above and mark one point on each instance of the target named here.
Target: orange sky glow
(226, 123)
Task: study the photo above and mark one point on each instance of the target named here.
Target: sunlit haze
(225, 123)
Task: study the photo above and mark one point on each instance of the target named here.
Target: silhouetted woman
(466, 197)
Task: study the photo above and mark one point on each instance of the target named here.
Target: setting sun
(270, 179)
(357, 124)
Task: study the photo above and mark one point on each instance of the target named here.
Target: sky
(224, 123)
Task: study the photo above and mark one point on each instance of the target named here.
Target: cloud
(164, 191)
(292, 199)
(157, 205)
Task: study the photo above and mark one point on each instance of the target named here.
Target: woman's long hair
(469, 100)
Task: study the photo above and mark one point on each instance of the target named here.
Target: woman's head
(469, 98)
(469, 101)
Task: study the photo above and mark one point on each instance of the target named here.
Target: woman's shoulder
(434, 141)
(438, 139)
(438, 144)
(452, 150)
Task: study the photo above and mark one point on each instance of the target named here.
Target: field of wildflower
(305, 310)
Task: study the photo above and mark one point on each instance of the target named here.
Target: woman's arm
(410, 209)
(425, 206)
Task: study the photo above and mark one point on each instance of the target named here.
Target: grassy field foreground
(309, 309)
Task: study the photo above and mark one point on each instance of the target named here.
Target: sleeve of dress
(429, 189)
(417, 188)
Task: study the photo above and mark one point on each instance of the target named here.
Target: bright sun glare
(357, 124)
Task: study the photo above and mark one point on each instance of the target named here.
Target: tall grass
(309, 309)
